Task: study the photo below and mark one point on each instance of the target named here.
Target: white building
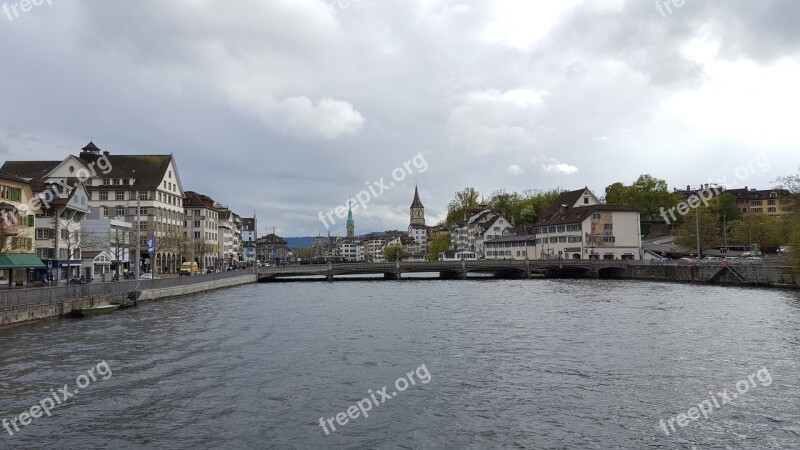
(578, 226)
(201, 230)
(479, 225)
(111, 237)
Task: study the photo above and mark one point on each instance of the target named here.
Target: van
(189, 268)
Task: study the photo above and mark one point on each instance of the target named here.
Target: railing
(56, 294)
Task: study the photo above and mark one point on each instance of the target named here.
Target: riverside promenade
(23, 305)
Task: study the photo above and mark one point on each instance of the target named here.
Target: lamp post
(697, 230)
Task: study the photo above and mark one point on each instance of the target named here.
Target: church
(416, 227)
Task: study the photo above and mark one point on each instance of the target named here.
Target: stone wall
(28, 313)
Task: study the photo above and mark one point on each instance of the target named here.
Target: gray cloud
(288, 107)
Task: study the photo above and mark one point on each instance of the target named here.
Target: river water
(485, 364)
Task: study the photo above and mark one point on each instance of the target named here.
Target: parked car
(752, 260)
(747, 254)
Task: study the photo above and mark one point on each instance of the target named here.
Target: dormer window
(71, 169)
(773, 194)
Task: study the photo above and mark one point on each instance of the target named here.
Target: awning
(20, 261)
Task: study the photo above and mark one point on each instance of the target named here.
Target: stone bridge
(456, 269)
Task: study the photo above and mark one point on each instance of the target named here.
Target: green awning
(20, 261)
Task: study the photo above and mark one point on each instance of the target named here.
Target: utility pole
(138, 236)
(697, 230)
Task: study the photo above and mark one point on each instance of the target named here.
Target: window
(772, 210)
(142, 195)
(106, 181)
(143, 211)
(126, 182)
(562, 239)
(43, 233)
(773, 194)
(117, 181)
(771, 202)
(551, 230)
(585, 200)
(608, 226)
(64, 233)
(562, 228)
(104, 194)
(609, 239)
(120, 210)
(553, 240)
(596, 216)
(756, 210)
(119, 195)
(755, 203)
(105, 210)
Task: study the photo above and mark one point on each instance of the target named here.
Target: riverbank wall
(754, 275)
(26, 305)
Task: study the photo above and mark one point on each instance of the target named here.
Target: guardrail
(46, 295)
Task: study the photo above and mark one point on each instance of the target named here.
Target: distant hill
(299, 242)
(304, 241)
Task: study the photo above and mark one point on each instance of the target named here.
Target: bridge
(587, 268)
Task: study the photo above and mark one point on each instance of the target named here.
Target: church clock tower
(417, 210)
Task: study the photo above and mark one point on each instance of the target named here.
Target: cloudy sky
(287, 107)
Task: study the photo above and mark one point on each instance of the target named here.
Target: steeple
(417, 211)
(416, 203)
(351, 225)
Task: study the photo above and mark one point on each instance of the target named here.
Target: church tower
(351, 226)
(417, 210)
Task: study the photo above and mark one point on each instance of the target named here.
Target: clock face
(416, 213)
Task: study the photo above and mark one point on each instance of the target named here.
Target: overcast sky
(287, 107)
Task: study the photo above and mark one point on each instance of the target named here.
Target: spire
(416, 203)
(350, 212)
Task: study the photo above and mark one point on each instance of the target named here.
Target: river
(484, 364)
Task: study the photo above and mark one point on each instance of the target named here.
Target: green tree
(647, 194)
(437, 245)
(792, 222)
(768, 232)
(725, 206)
(464, 200)
(686, 233)
(393, 252)
(617, 194)
(512, 203)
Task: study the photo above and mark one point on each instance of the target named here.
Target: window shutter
(31, 220)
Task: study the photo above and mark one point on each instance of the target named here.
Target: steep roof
(416, 203)
(12, 177)
(147, 170)
(580, 213)
(569, 199)
(29, 169)
(192, 199)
